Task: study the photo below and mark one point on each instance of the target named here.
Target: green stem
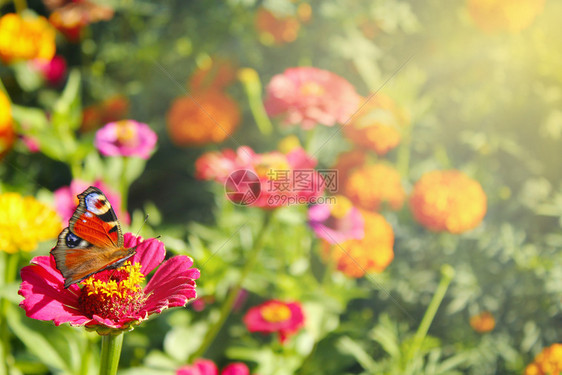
(226, 307)
(447, 274)
(10, 267)
(20, 5)
(110, 353)
(124, 185)
(253, 88)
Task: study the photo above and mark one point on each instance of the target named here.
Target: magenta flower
(338, 222)
(308, 96)
(207, 367)
(53, 71)
(126, 138)
(285, 318)
(236, 368)
(284, 179)
(112, 299)
(199, 367)
(66, 199)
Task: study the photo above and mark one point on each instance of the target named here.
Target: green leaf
(67, 112)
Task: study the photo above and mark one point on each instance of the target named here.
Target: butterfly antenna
(144, 222)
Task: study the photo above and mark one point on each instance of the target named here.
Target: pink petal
(150, 253)
(45, 297)
(237, 368)
(172, 285)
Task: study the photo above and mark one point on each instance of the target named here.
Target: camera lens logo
(242, 187)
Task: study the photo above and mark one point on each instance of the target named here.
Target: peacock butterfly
(93, 240)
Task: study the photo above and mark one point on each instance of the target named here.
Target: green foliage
(484, 103)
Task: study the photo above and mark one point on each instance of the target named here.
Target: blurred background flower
(448, 201)
(126, 138)
(24, 222)
(504, 15)
(210, 117)
(547, 362)
(26, 38)
(274, 316)
(378, 125)
(7, 134)
(372, 253)
(372, 185)
(483, 322)
(336, 222)
(308, 96)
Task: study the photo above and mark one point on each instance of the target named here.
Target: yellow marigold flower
(483, 322)
(26, 38)
(548, 362)
(504, 15)
(372, 253)
(24, 222)
(7, 135)
(448, 201)
(371, 185)
(378, 125)
(208, 118)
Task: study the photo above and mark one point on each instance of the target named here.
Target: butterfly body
(93, 240)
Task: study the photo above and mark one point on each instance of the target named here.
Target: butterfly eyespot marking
(97, 203)
(72, 240)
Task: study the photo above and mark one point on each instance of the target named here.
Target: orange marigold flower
(112, 109)
(504, 15)
(71, 18)
(208, 118)
(448, 201)
(7, 134)
(547, 362)
(275, 29)
(378, 125)
(347, 162)
(483, 322)
(213, 74)
(372, 253)
(26, 38)
(371, 185)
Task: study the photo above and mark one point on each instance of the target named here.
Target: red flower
(308, 96)
(199, 367)
(275, 316)
(111, 299)
(207, 367)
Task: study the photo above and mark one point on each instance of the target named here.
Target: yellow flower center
(126, 133)
(272, 166)
(341, 207)
(275, 313)
(312, 89)
(114, 294)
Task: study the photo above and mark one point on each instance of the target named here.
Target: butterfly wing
(77, 259)
(93, 240)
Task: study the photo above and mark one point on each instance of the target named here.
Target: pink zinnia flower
(207, 367)
(53, 71)
(112, 299)
(199, 367)
(284, 179)
(218, 165)
(66, 199)
(126, 138)
(338, 222)
(236, 368)
(275, 316)
(308, 96)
